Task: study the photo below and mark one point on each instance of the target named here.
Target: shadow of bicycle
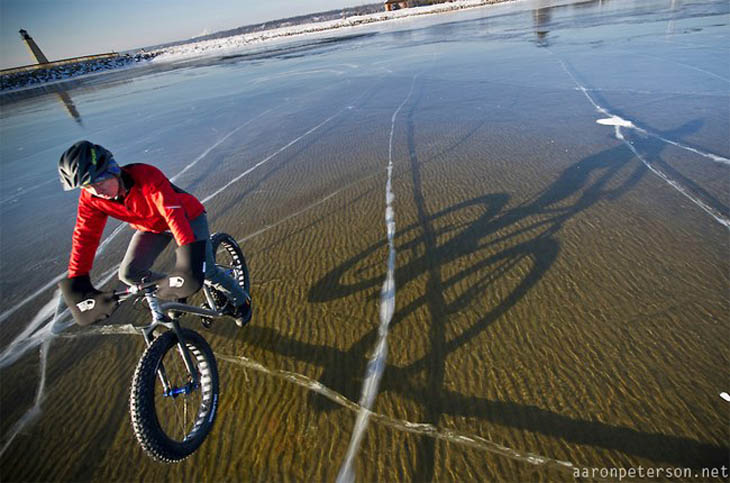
(496, 249)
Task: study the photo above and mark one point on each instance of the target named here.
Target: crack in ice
(376, 365)
(271, 156)
(421, 429)
(618, 122)
(36, 334)
(119, 228)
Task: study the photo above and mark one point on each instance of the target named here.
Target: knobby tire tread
(142, 399)
(230, 245)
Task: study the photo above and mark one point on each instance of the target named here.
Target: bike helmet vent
(82, 164)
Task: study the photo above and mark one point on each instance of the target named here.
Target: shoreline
(203, 47)
(554, 296)
(28, 81)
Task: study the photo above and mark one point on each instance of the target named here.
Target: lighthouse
(62, 95)
(33, 47)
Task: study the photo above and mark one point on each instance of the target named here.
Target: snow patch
(615, 121)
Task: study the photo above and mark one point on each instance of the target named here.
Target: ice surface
(656, 75)
(216, 46)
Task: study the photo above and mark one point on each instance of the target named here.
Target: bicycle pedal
(206, 321)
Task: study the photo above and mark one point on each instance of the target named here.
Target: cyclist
(159, 211)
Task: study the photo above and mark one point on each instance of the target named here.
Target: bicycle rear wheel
(229, 257)
(170, 427)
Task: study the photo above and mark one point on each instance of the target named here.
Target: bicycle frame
(166, 314)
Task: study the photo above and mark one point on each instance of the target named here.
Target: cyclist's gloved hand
(188, 275)
(87, 304)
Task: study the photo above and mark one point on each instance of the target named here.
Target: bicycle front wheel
(171, 423)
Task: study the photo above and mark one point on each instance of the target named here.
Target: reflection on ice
(485, 61)
(68, 103)
(542, 18)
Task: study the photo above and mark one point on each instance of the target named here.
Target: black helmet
(82, 163)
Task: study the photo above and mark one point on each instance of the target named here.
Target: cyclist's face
(106, 188)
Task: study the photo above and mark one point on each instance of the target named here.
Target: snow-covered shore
(35, 78)
(216, 46)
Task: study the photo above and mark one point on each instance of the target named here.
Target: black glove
(87, 304)
(188, 275)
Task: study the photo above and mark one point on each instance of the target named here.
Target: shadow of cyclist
(498, 242)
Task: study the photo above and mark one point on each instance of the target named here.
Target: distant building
(397, 4)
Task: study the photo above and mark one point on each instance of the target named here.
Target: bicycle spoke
(179, 422)
(176, 418)
(176, 383)
(172, 424)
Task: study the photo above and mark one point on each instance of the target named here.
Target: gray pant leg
(215, 275)
(143, 250)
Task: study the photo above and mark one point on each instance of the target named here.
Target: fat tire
(234, 251)
(145, 422)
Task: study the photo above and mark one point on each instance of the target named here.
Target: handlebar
(134, 289)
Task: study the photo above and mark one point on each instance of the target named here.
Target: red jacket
(152, 204)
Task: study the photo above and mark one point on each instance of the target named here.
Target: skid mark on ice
(32, 336)
(655, 92)
(304, 210)
(376, 364)
(18, 346)
(43, 336)
(422, 429)
(271, 156)
(284, 75)
(36, 333)
(618, 122)
(714, 157)
(59, 277)
(25, 190)
(218, 143)
(628, 124)
(688, 66)
(119, 229)
(126, 329)
(35, 411)
(711, 211)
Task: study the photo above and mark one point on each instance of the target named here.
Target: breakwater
(58, 71)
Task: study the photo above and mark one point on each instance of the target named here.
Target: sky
(70, 28)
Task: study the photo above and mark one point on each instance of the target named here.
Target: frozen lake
(559, 203)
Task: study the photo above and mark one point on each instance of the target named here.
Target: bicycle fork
(159, 318)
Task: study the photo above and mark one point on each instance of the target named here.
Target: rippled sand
(558, 305)
(546, 305)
